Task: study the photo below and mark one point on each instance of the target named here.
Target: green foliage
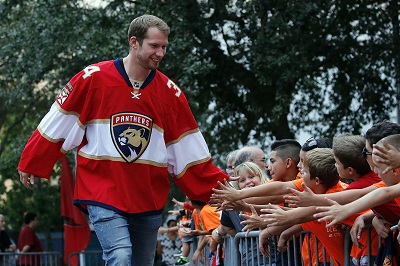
(252, 70)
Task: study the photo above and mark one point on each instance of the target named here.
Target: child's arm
(252, 221)
(244, 205)
(308, 198)
(262, 201)
(159, 248)
(381, 226)
(359, 226)
(287, 235)
(227, 192)
(198, 255)
(275, 215)
(337, 212)
(267, 233)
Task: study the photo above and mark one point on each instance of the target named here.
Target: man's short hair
(245, 154)
(140, 25)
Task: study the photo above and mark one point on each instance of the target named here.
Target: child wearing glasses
(336, 212)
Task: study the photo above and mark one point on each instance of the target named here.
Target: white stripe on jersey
(191, 149)
(100, 144)
(56, 126)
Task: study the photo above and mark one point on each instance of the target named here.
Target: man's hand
(300, 199)
(26, 179)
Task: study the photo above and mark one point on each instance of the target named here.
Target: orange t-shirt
(362, 182)
(309, 241)
(196, 219)
(210, 219)
(332, 238)
(389, 211)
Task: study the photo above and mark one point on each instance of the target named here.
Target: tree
(252, 70)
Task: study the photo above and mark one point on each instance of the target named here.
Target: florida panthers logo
(131, 134)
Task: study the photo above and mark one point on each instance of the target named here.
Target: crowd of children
(323, 186)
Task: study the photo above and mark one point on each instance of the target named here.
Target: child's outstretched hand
(226, 192)
(275, 215)
(300, 199)
(387, 154)
(251, 222)
(331, 214)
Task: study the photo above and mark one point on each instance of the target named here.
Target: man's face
(230, 167)
(259, 159)
(277, 167)
(153, 48)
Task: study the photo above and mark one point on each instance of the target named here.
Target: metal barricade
(242, 250)
(31, 258)
(86, 258)
(236, 247)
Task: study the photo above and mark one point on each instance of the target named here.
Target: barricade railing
(86, 258)
(242, 250)
(31, 258)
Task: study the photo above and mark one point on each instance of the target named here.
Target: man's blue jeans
(125, 241)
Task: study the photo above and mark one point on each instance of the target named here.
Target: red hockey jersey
(127, 143)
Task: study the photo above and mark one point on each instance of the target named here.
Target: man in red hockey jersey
(132, 127)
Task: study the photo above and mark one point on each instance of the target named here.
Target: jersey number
(172, 85)
(89, 70)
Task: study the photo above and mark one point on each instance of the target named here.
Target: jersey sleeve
(60, 130)
(189, 160)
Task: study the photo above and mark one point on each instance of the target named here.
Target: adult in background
(252, 154)
(132, 127)
(6, 244)
(28, 241)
